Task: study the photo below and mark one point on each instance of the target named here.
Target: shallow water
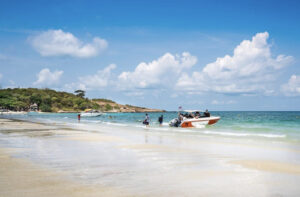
(275, 125)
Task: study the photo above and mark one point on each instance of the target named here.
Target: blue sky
(233, 55)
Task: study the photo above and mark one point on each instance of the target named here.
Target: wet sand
(19, 177)
(52, 160)
(22, 177)
(269, 166)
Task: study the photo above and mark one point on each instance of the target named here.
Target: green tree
(36, 98)
(80, 93)
(45, 107)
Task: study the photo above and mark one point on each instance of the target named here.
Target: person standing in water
(160, 120)
(147, 120)
(78, 116)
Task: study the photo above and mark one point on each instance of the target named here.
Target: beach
(149, 98)
(51, 158)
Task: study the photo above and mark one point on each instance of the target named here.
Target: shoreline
(62, 112)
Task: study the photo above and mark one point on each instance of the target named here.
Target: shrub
(108, 107)
(45, 108)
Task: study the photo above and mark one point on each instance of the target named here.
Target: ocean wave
(116, 124)
(245, 134)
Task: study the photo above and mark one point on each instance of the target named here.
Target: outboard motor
(174, 123)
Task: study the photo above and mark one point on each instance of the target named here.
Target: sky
(216, 55)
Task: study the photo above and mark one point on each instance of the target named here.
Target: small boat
(91, 113)
(193, 118)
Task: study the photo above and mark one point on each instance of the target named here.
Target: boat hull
(199, 122)
(90, 114)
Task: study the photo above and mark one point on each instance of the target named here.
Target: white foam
(244, 134)
(116, 124)
(160, 128)
(200, 126)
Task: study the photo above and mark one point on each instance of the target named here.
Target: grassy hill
(47, 100)
(20, 99)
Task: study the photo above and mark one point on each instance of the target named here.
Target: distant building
(3, 109)
(34, 107)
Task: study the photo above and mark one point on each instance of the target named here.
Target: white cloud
(12, 83)
(157, 73)
(164, 70)
(60, 43)
(97, 81)
(46, 77)
(135, 94)
(217, 102)
(249, 69)
(292, 88)
(0, 75)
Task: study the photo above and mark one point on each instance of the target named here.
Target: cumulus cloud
(46, 77)
(249, 68)
(60, 43)
(292, 88)
(0, 76)
(135, 94)
(12, 83)
(100, 80)
(159, 72)
(217, 102)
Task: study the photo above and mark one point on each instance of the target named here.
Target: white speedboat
(193, 118)
(91, 113)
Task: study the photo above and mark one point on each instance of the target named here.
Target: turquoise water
(272, 125)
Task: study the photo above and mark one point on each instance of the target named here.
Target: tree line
(47, 100)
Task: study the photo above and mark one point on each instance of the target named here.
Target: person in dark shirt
(160, 120)
(206, 113)
(191, 115)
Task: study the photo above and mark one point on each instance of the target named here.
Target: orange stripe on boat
(186, 124)
(213, 121)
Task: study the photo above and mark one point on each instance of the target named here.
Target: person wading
(161, 119)
(147, 120)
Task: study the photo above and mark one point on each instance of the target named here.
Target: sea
(272, 125)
